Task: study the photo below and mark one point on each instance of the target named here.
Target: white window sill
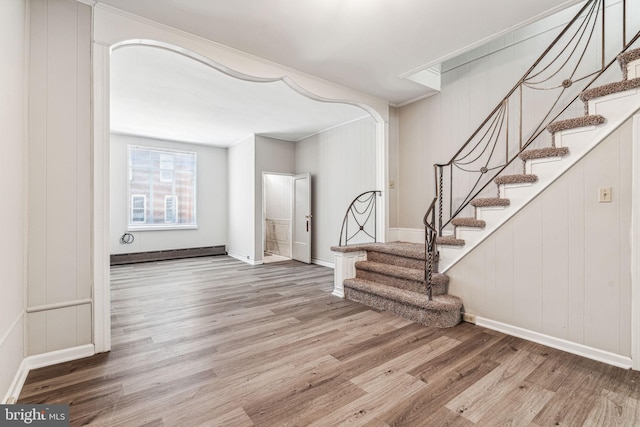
(162, 227)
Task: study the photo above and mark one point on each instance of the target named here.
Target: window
(162, 185)
(138, 209)
(170, 203)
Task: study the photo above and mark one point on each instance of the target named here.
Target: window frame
(161, 225)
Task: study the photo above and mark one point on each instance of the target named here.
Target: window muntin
(162, 185)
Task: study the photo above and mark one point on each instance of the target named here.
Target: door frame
(296, 216)
(264, 212)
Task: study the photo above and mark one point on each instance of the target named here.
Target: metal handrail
(483, 159)
(361, 217)
(430, 233)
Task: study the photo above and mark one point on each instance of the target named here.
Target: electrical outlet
(469, 318)
(604, 195)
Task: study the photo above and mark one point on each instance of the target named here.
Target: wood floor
(216, 342)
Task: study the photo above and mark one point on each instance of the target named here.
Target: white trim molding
(42, 360)
(635, 246)
(345, 268)
(244, 258)
(557, 343)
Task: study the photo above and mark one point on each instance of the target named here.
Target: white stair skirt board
(42, 360)
(345, 268)
(616, 108)
(557, 343)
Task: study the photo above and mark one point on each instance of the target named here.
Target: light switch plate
(604, 195)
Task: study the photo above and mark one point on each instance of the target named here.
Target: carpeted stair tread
(402, 272)
(625, 58)
(404, 249)
(400, 261)
(490, 202)
(543, 153)
(443, 311)
(516, 179)
(576, 122)
(392, 270)
(449, 241)
(610, 88)
(468, 222)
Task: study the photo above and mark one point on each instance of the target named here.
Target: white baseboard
(16, 386)
(411, 235)
(322, 263)
(557, 343)
(243, 258)
(42, 360)
(338, 293)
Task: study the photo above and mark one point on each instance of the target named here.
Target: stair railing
(362, 215)
(430, 233)
(491, 148)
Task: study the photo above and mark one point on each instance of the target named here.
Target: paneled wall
(342, 165)
(561, 266)
(59, 190)
(13, 79)
(211, 204)
(241, 164)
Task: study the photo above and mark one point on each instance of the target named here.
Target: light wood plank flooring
(216, 342)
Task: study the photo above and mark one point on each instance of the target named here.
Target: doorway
(286, 217)
(277, 217)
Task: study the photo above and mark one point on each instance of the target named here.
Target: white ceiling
(366, 45)
(162, 94)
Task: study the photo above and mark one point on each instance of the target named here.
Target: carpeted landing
(392, 279)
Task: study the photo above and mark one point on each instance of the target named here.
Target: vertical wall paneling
(241, 221)
(561, 266)
(59, 172)
(341, 162)
(13, 174)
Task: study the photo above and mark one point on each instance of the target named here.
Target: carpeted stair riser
(398, 260)
(400, 283)
(625, 58)
(449, 241)
(440, 318)
(543, 153)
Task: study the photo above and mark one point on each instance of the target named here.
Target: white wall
(342, 165)
(13, 73)
(561, 266)
(241, 170)
(211, 204)
(59, 174)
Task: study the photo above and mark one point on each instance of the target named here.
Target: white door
(302, 218)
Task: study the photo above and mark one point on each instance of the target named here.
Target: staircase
(606, 108)
(391, 278)
(397, 277)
